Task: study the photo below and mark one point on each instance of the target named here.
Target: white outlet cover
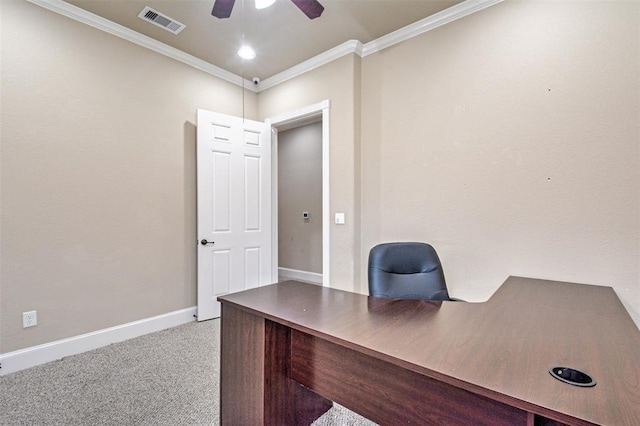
(29, 319)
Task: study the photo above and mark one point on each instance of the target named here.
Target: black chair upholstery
(406, 271)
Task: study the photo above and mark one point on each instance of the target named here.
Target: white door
(234, 207)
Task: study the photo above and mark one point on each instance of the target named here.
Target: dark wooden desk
(289, 349)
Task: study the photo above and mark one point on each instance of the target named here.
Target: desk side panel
(241, 368)
(255, 383)
(286, 402)
(386, 393)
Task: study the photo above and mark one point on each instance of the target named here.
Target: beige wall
(300, 190)
(97, 176)
(510, 141)
(335, 81)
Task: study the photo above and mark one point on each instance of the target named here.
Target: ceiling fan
(311, 8)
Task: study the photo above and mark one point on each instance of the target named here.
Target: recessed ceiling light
(246, 52)
(261, 4)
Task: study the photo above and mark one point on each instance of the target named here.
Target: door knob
(205, 242)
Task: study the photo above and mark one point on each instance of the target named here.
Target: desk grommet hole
(572, 376)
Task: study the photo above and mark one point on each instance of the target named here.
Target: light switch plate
(339, 218)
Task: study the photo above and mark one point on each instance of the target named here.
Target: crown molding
(98, 22)
(446, 16)
(346, 48)
(429, 23)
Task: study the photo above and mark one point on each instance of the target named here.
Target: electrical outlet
(29, 319)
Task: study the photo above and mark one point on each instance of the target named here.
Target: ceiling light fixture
(246, 52)
(261, 4)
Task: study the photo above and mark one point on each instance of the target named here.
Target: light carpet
(166, 378)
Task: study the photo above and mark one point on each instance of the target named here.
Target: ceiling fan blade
(222, 8)
(311, 8)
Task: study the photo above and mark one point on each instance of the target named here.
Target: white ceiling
(281, 35)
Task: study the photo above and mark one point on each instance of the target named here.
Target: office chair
(406, 271)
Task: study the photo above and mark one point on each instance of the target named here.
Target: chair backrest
(406, 271)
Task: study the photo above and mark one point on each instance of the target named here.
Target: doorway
(300, 203)
(314, 116)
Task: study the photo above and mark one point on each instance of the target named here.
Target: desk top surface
(502, 348)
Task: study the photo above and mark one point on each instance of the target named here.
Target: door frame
(289, 120)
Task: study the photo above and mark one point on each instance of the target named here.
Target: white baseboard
(36, 355)
(295, 274)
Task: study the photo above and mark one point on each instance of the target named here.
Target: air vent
(163, 21)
